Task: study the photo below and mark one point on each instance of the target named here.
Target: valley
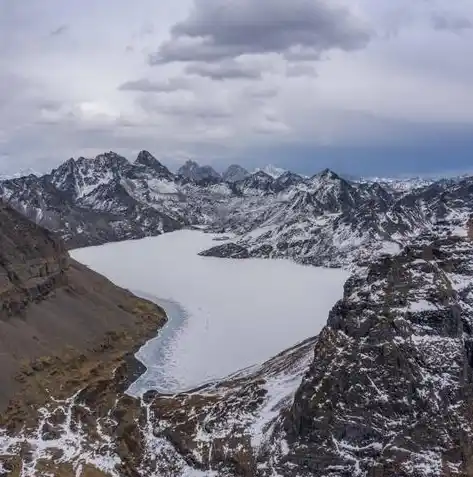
(236, 238)
(237, 313)
(315, 326)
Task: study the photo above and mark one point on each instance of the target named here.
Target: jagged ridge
(323, 220)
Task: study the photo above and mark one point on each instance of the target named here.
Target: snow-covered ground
(235, 313)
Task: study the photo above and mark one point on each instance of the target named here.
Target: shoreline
(151, 356)
(58, 376)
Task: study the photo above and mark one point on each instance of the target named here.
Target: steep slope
(55, 311)
(390, 388)
(235, 173)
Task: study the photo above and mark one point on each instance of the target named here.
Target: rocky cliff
(32, 263)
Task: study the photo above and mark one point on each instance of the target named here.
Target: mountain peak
(111, 159)
(110, 155)
(146, 159)
(193, 171)
(271, 170)
(328, 174)
(235, 173)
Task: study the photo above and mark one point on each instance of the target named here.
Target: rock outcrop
(390, 389)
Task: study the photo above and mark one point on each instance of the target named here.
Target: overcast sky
(362, 86)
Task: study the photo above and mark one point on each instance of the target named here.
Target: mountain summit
(200, 174)
(148, 160)
(235, 173)
(273, 171)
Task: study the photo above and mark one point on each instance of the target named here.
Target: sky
(365, 87)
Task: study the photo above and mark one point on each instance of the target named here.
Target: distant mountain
(323, 220)
(272, 171)
(399, 184)
(21, 173)
(94, 201)
(199, 174)
(235, 173)
(328, 220)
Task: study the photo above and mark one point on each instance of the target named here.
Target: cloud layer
(216, 31)
(246, 80)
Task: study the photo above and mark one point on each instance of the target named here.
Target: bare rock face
(227, 250)
(33, 262)
(390, 389)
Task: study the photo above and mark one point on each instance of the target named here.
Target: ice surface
(238, 312)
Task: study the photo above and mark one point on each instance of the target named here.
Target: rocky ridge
(323, 220)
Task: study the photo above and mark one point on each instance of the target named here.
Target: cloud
(214, 31)
(259, 93)
(447, 22)
(197, 109)
(165, 86)
(233, 77)
(59, 30)
(226, 70)
(300, 69)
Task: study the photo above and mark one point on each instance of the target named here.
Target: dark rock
(227, 250)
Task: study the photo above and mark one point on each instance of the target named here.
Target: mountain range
(386, 388)
(322, 220)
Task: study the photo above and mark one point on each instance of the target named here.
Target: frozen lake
(224, 314)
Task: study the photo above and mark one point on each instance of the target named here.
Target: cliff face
(390, 389)
(32, 263)
(53, 309)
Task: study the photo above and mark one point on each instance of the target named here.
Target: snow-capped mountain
(21, 173)
(235, 173)
(93, 201)
(199, 174)
(322, 220)
(271, 170)
(399, 184)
